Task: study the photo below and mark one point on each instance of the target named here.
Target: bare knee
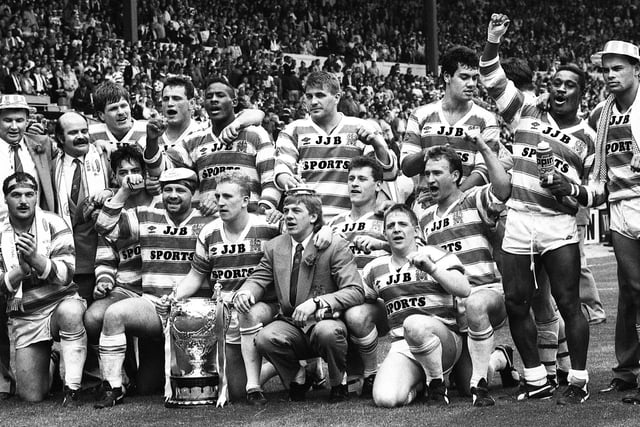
(69, 315)
(418, 327)
(360, 319)
(476, 308)
(259, 313)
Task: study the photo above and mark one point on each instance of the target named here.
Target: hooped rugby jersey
(427, 127)
(227, 262)
(573, 147)
(368, 225)
(322, 160)
(408, 290)
(462, 229)
(166, 249)
(251, 153)
(622, 182)
(99, 131)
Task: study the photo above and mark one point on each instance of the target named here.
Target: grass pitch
(599, 410)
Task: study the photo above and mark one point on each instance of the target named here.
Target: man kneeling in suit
(313, 288)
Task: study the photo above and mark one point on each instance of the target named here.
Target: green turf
(599, 410)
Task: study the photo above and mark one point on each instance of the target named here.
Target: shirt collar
(304, 243)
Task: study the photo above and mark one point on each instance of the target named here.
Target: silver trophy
(197, 329)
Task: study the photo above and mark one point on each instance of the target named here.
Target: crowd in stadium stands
(63, 51)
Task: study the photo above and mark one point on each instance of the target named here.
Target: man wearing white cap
(616, 177)
(20, 153)
(167, 239)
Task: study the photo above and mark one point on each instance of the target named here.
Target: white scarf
(94, 179)
(40, 228)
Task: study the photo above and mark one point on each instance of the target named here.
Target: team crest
(422, 276)
(579, 147)
(196, 228)
(255, 245)
(352, 139)
(457, 217)
(241, 146)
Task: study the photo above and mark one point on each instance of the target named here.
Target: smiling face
(619, 73)
(400, 232)
(13, 123)
(117, 117)
(75, 134)
(299, 221)
(463, 83)
(176, 107)
(322, 104)
(176, 199)
(219, 102)
(565, 93)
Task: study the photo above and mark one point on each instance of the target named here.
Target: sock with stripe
(368, 349)
(252, 359)
(429, 355)
(112, 353)
(73, 346)
(548, 343)
(481, 344)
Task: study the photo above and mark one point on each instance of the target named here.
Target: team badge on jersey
(241, 146)
(421, 276)
(196, 228)
(457, 217)
(255, 245)
(352, 139)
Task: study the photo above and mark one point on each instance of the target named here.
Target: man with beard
(541, 229)
(167, 238)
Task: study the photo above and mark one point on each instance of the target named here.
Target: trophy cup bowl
(193, 332)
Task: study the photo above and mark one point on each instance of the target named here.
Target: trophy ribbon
(223, 392)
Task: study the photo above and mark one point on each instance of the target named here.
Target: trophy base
(190, 392)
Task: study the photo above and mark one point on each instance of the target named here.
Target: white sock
(252, 359)
(368, 348)
(536, 376)
(548, 343)
(112, 353)
(481, 345)
(74, 354)
(497, 362)
(578, 377)
(429, 355)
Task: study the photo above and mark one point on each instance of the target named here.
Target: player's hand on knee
(102, 289)
(303, 312)
(243, 300)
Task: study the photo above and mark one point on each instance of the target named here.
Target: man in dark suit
(313, 287)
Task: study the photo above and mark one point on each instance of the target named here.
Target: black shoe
(481, 395)
(110, 398)
(298, 392)
(618, 384)
(367, 387)
(339, 393)
(313, 380)
(574, 395)
(437, 392)
(632, 398)
(563, 377)
(529, 391)
(509, 376)
(71, 398)
(256, 398)
(57, 384)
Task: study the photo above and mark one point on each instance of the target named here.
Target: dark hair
(230, 89)
(108, 93)
(181, 81)
(519, 72)
(59, 131)
(324, 80)
(19, 177)
(367, 162)
(400, 207)
(349, 106)
(311, 202)
(129, 153)
(448, 153)
(577, 71)
(458, 55)
(238, 178)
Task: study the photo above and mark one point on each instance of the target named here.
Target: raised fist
(497, 27)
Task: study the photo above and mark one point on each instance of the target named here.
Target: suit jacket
(41, 150)
(331, 273)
